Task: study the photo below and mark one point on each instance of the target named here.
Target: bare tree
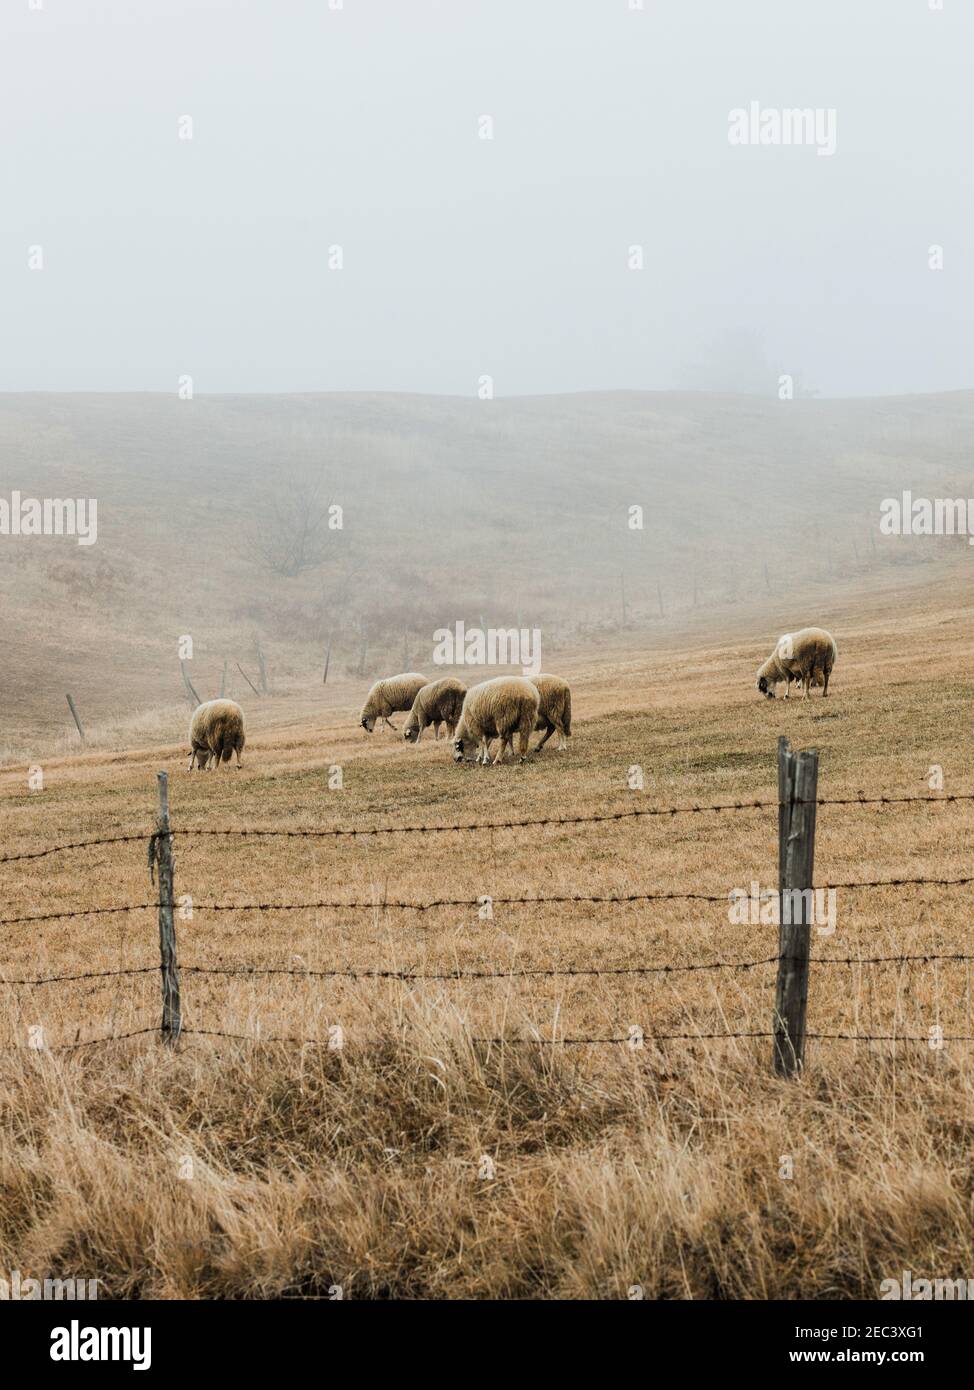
(293, 533)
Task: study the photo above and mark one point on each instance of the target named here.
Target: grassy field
(232, 1170)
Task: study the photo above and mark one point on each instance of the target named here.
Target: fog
(462, 258)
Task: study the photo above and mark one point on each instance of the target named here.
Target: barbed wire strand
(85, 975)
(466, 826)
(632, 1041)
(370, 905)
(540, 972)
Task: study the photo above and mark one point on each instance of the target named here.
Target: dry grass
(360, 1168)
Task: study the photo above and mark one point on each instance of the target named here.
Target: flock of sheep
(497, 709)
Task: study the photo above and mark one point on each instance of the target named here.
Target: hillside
(514, 512)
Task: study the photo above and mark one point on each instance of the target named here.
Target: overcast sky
(464, 257)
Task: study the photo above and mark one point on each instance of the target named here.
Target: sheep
(555, 711)
(215, 732)
(438, 703)
(389, 696)
(498, 708)
(806, 656)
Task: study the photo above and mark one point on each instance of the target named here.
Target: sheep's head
(465, 747)
(411, 732)
(766, 688)
(368, 722)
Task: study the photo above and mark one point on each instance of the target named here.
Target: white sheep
(389, 696)
(499, 708)
(216, 732)
(806, 656)
(554, 711)
(438, 703)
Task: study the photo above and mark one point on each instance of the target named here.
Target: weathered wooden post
(77, 721)
(247, 679)
(194, 699)
(797, 805)
(324, 678)
(160, 854)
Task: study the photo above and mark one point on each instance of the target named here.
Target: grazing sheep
(438, 703)
(555, 710)
(389, 696)
(216, 731)
(806, 656)
(500, 708)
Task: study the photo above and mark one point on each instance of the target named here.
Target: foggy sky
(463, 257)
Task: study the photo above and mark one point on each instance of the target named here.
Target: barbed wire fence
(797, 806)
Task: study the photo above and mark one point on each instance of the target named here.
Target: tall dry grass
(364, 1169)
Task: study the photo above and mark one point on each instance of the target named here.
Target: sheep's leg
(391, 725)
(825, 683)
(436, 731)
(562, 739)
(541, 743)
(807, 678)
(505, 740)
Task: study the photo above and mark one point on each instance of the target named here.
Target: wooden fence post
(71, 707)
(797, 794)
(171, 1008)
(247, 679)
(194, 699)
